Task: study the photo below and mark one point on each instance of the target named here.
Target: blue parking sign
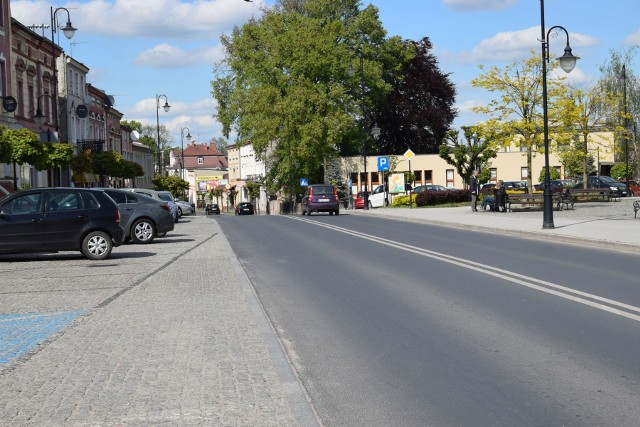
(383, 164)
(304, 182)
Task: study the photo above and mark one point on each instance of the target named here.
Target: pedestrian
(500, 197)
(474, 187)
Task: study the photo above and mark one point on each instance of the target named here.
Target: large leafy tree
(516, 112)
(614, 79)
(284, 83)
(419, 110)
(473, 151)
(585, 112)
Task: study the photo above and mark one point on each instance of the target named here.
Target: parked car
(142, 218)
(634, 188)
(212, 208)
(429, 187)
(359, 202)
(244, 208)
(379, 197)
(159, 195)
(320, 198)
(184, 208)
(516, 185)
(604, 181)
(60, 219)
(555, 184)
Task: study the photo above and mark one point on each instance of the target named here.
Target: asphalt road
(394, 323)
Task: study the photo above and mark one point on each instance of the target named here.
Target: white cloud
(473, 5)
(143, 18)
(467, 106)
(509, 45)
(168, 56)
(633, 39)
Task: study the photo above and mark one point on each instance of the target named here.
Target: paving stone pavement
(167, 335)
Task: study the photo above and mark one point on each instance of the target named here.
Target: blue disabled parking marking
(21, 332)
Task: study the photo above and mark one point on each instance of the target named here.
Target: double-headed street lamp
(567, 63)
(68, 31)
(166, 108)
(182, 148)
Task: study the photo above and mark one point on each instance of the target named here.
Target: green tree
(25, 147)
(586, 111)
(172, 183)
(553, 174)
(284, 83)
(516, 113)
(253, 190)
(58, 155)
(81, 165)
(221, 144)
(472, 152)
(614, 79)
(620, 171)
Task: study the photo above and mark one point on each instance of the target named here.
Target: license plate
(323, 200)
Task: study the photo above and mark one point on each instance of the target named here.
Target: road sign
(409, 154)
(304, 182)
(383, 164)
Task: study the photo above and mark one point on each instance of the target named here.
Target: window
(494, 175)
(64, 201)
(524, 172)
(201, 160)
(418, 175)
(27, 204)
(428, 177)
(450, 180)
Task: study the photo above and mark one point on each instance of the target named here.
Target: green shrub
(432, 198)
(403, 200)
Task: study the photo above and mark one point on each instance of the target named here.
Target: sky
(139, 49)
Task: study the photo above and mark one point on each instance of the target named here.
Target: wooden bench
(636, 208)
(536, 200)
(528, 200)
(593, 195)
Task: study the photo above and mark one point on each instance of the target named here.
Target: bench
(528, 200)
(536, 200)
(593, 195)
(636, 208)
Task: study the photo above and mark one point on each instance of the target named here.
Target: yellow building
(509, 165)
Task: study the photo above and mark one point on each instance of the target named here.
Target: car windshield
(607, 179)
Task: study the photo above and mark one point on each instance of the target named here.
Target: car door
(65, 219)
(22, 223)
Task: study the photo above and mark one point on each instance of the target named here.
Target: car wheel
(97, 245)
(337, 212)
(143, 231)
(370, 205)
(179, 212)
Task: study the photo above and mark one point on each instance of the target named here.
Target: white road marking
(595, 301)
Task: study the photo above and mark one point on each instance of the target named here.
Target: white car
(184, 208)
(379, 197)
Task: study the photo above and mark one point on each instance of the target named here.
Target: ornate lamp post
(166, 108)
(68, 31)
(182, 148)
(567, 63)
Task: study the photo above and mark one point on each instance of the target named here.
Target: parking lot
(162, 333)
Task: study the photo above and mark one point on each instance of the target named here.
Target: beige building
(509, 165)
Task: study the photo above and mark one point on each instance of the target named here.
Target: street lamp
(182, 148)
(626, 128)
(567, 63)
(166, 108)
(68, 31)
(351, 71)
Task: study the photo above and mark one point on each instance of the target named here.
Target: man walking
(474, 187)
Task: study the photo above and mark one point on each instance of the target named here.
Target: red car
(359, 204)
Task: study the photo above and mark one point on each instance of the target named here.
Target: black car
(143, 218)
(212, 208)
(616, 187)
(244, 208)
(321, 198)
(60, 219)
